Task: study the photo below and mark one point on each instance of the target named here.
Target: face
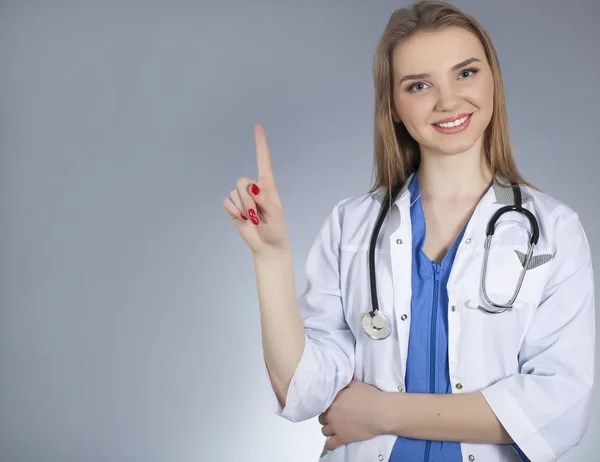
(439, 75)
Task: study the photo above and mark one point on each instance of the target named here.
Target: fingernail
(255, 189)
(244, 217)
(252, 213)
(255, 220)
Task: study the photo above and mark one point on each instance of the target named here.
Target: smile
(454, 123)
(454, 126)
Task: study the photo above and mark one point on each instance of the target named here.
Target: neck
(453, 177)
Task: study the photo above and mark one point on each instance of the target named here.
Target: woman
(459, 373)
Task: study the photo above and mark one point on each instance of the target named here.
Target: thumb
(333, 443)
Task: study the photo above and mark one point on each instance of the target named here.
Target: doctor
(443, 374)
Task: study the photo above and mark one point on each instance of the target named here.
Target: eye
(466, 71)
(419, 86)
(414, 87)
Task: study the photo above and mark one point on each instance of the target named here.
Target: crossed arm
(362, 411)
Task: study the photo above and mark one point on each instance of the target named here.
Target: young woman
(451, 347)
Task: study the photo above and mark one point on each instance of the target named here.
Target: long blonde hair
(396, 151)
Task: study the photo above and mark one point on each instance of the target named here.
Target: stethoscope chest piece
(377, 326)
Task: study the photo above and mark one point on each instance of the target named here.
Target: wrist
(390, 410)
(273, 254)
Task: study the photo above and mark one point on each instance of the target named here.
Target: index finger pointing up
(263, 157)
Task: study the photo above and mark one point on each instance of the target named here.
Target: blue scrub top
(427, 363)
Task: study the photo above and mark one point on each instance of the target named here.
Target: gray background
(129, 323)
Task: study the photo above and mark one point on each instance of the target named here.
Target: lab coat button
(380, 458)
(471, 457)
(403, 317)
(398, 241)
(400, 388)
(458, 386)
(468, 241)
(453, 308)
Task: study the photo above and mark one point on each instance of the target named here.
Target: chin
(454, 147)
(456, 144)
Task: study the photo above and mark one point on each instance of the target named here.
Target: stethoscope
(377, 326)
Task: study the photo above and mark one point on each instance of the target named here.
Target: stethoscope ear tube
(384, 209)
(375, 324)
(535, 230)
(535, 234)
(517, 207)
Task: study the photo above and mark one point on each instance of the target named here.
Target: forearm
(281, 324)
(463, 418)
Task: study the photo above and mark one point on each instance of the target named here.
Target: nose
(447, 99)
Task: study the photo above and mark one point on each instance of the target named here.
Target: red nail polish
(255, 189)
(255, 220)
(252, 213)
(244, 217)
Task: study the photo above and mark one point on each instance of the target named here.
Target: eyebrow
(454, 68)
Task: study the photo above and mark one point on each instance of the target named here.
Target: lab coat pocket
(489, 329)
(500, 277)
(503, 278)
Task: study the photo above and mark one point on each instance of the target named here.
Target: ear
(395, 115)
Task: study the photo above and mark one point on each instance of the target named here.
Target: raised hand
(255, 207)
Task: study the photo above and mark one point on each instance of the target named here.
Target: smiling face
(438, 75)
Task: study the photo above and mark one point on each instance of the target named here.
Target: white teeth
(456, 123)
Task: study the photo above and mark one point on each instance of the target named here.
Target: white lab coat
(534, 364)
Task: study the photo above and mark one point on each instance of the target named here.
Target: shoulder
(359, 208)
(560, 223)
(349, 224)
(552, 211)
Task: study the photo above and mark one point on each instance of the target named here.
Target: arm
(463, 418)
(281, 325)
(308, 347)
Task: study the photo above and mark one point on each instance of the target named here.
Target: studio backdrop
(129, 318)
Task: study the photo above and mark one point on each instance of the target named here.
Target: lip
(454, 130)
(452, 119)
